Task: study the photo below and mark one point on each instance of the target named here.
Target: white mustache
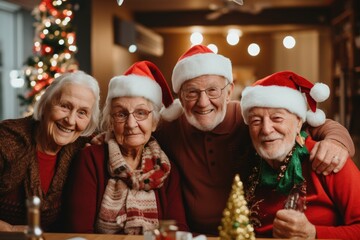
(271, 138)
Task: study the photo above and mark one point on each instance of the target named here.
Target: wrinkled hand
(289, 223)
(98, 139)
(6, 227)
(327, 156)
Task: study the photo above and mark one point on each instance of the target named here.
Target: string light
(132, 48)
(213, 47)
(289, 42)
(70, 39)
(196, 38)
(72, 48)
(253, 49)
(233, 36)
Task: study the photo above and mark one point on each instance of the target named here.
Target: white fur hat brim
(135, 86)
(273, 97)
(198, 65)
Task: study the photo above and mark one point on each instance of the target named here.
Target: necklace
(296, 196)
(254, 177)
(284, 165)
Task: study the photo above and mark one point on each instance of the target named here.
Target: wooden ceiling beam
(303, 16)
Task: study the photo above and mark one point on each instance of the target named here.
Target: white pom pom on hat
(316, 118)
(144, 79)
(320, 92)
(290, 91)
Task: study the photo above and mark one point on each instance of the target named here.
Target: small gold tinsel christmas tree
(235, 222)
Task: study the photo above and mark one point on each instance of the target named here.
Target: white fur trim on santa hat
(198, 65)
(316, 118)
(273, 97)
(320, 92)
(172, 112)
(135, 86)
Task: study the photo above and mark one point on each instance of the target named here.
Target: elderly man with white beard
(286, 199)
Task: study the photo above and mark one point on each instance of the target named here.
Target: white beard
(280, 154)
(214, 123)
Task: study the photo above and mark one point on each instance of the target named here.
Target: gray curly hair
(53, 93)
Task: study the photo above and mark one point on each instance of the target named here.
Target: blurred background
(318, 39)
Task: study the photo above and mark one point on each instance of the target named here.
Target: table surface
(68, 236)
(65, 236)
(82, 236)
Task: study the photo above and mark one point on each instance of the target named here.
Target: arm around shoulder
(334, 131)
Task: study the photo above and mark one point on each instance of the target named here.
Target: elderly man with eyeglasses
(210, 140)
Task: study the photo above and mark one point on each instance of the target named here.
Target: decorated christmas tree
(53, 50)
(235, 222)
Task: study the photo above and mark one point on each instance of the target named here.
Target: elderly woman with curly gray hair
(36, 151)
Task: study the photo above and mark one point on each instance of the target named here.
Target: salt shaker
(33, 231)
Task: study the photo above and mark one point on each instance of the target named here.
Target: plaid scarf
(129, 202)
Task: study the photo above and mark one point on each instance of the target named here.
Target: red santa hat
(197, 61)
(287, 90)
(144, 79)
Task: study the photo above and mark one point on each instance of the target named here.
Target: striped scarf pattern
(129, 202)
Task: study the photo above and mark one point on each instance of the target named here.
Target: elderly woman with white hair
(286, 198)
(36, 151)
(127, 185)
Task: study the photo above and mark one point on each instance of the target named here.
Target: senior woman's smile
(134, 184)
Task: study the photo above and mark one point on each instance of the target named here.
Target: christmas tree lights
(53, 50)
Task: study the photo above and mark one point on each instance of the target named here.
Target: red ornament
(45, 50)
(48, 4)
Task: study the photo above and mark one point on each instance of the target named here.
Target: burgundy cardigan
(87, 183)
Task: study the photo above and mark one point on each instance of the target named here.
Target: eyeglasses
(139, 115)
(194, 94)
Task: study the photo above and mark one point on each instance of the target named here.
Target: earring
(300, 140)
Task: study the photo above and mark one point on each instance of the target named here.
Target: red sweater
(87, 184)
(333, 202)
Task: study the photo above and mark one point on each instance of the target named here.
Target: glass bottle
(33, 231)
(166, 231)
